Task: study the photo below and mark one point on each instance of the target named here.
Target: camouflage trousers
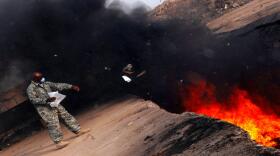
(51, 117)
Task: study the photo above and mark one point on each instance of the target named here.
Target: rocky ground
(219, 15)
(202, 10)
(136, 127)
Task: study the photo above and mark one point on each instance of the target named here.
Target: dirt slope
(246, 15)
(188, 10)
(136, 127)
(219, 15)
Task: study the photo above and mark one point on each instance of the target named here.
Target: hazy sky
(151, 3)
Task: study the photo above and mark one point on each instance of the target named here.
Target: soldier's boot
(62, 144)
(83, 131)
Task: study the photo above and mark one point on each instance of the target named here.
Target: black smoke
(78, 41)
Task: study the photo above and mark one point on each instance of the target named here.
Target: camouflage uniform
(38, 95)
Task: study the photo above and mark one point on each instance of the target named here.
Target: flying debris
(126, 78)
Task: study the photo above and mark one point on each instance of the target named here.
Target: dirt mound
(137, 127)
(220, 15)
(195, 10)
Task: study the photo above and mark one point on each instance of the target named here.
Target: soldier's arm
(59, 86)
(34, 99)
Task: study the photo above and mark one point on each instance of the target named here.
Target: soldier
(37, 93)
(135, 81)
(130, 71)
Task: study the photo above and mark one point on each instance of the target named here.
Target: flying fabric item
(59, 97)
(126, 78)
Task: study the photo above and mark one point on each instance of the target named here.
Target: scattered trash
(126, 79)
(107, 68)
(235, 5)
(59, 97)
(129, 73)
(130, 123)
(226, 6)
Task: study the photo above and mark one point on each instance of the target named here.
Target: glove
(75, 88)
(51, 99)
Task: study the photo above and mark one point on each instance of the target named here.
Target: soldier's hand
(51, 99)
(75, 88)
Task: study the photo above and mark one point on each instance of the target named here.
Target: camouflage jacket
(38, 93)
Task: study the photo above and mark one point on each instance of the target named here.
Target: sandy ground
(112, 133)
(249, 15)
(134, 127)
(246, 15)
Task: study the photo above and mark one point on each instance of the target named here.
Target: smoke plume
(78, 41)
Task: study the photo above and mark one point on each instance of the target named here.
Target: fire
(262, 124)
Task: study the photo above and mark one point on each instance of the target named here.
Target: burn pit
(253, 113)
(251, 102)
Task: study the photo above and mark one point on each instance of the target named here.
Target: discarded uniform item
(59, 97)
(126, 79)
(130, 74)
(135, 81)
(128, 69)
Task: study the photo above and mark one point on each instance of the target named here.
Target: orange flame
(240, 110)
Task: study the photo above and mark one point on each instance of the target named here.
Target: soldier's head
(38, 77)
